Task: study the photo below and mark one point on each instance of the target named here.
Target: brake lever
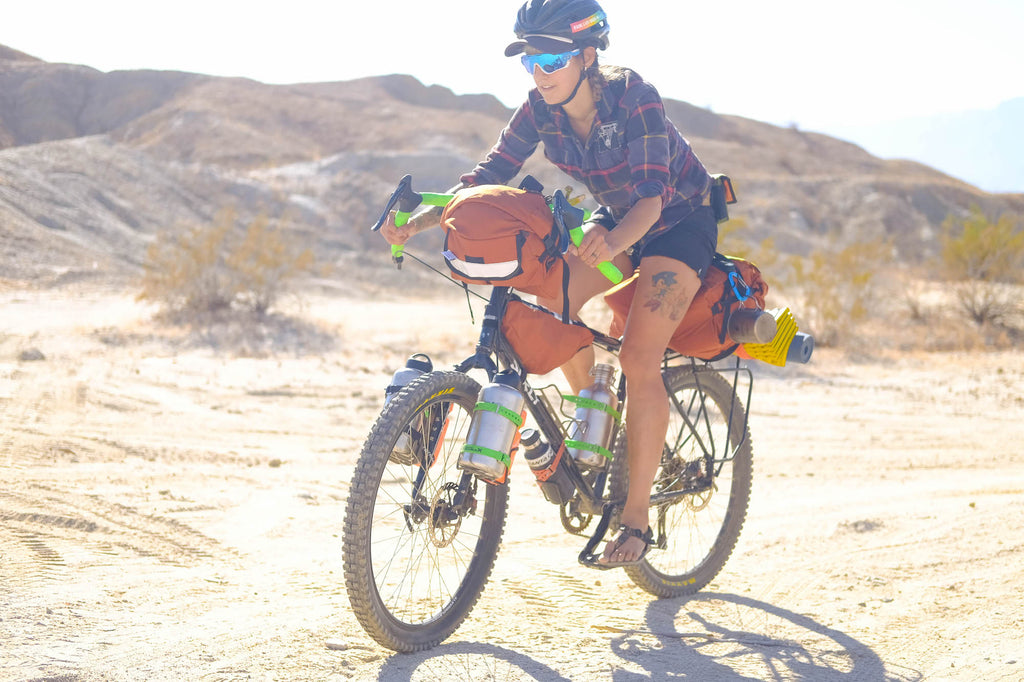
(567, 219)
(407, 201)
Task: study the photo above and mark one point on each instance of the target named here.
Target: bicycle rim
(695, 533)
(416, 553)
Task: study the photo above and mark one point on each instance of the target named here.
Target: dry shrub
(838, 289)
(201, 272)
(984, 259)
(924, 314)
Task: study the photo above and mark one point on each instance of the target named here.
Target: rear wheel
(420, 538)
(707, 455)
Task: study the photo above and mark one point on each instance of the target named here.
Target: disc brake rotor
(698, 501)
(443, 522)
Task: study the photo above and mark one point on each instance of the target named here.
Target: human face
(556, 86)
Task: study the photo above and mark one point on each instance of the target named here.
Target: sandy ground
(172, 512)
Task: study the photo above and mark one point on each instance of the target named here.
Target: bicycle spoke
(418, 549)
(701, 499)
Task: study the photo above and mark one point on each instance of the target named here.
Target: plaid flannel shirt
(633, 151)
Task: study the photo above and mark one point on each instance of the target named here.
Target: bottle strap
(508, 414)
(591, 404)
(589, 447)
(488, 452)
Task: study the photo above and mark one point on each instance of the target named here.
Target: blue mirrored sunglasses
(549, 63)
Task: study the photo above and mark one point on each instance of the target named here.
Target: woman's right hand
(393, 234)
(419, 223)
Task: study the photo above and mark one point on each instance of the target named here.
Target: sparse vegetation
(204, 271)
(732, 243)
(838, 288)
(984, 259)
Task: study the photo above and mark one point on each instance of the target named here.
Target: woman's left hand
(595, 247)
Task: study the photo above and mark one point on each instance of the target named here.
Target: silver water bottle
(750, 325)
(596, 415)
(416, 366)
(494, 429)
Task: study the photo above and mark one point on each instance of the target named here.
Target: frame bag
(540, 338)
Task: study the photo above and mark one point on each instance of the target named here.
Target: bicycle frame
(493, 350)
(415, 566)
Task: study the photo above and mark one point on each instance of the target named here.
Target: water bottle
(415, 366)
(596, 415)
(750, 325)
(494, 429)
(553, 479)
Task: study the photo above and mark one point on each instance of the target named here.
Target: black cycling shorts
(692, 240)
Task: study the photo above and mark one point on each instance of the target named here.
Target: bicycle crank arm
(588, 557)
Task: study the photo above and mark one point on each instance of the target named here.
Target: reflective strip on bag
(482, 271)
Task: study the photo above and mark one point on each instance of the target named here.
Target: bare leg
(585, 283)
(665, 288)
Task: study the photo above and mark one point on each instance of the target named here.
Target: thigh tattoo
(667, 297)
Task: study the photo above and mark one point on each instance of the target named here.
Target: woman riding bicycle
(606, 127)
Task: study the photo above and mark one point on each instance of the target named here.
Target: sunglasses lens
(549, 63)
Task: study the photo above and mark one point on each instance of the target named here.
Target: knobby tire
(699, 531)
(414, 567)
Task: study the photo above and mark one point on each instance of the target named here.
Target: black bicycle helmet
(558, 26)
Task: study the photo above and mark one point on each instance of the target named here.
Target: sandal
(625, 533)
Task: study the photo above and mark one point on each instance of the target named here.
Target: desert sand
(171, 510)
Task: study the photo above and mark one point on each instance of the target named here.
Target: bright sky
(817, 64)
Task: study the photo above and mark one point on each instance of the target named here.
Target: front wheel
(704, 476)
(420, 538)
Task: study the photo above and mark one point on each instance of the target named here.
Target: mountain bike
(421, 535)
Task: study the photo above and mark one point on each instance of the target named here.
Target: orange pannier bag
(730, 284)
(503, 236)
(539, 337)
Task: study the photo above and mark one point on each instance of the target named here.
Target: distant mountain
(982, 147)
(93, 164)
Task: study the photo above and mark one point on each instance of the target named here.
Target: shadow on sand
(710, 636)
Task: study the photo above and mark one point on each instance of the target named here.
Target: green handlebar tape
(432, 199)
(428, 198)
(612, 273)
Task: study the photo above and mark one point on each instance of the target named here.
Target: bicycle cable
(465, 287)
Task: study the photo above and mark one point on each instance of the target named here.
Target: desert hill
(93, 164)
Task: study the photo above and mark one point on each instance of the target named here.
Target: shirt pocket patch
(608, 136)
